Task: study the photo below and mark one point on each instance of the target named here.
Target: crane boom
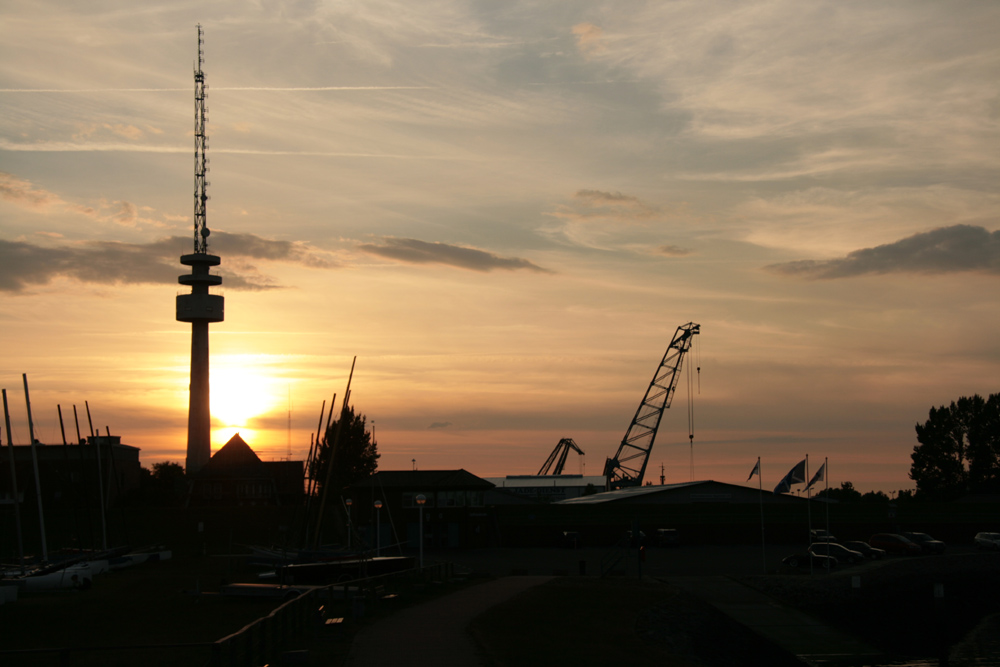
(561, 451)
(628, 466)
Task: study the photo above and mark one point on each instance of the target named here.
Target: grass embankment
(589, 621)
(905, 606)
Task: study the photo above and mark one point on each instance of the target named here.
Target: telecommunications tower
(199, 307)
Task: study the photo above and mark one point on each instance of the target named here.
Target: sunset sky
(504, 210)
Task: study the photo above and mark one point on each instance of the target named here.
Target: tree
(845, 494)
(874, 497)
(356, 457)
(959, 450)
(163, 485)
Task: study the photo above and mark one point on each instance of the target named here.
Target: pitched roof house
(235, 475)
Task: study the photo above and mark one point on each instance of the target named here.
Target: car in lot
(927, 544)
(893, 543)
(667, 537)
(989, 541)
(569, 539)
(802, 561)
(820, 535)
(635, 540)
(863, 547)
(838, 551)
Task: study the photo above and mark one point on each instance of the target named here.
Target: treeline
(848, 494)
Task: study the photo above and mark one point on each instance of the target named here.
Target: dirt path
(434, 634)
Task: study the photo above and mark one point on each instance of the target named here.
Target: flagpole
(826, 478)
(760, 487)
(810, 515)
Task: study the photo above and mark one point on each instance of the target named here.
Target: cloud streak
(674, 251)
(590, 204)
(214, 88)
(413, 251)
(23, 264)
(23, 193)
(954, 249)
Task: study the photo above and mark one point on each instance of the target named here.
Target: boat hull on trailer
(78, 575)
(138, 557)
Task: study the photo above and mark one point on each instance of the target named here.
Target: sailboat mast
(13, 483)
(34, 463)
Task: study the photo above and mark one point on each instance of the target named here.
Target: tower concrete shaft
(199, 308)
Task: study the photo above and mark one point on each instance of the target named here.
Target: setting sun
(240, 392)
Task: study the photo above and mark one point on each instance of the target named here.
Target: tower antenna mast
(201, 231)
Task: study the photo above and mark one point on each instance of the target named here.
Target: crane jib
(638, 440)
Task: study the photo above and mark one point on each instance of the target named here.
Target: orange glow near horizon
(241, 391)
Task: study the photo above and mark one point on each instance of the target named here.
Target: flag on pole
(818, 477)
(755, 471)
(796, 475)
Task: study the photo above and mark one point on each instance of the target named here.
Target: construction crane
(628, 465)
(561, 451)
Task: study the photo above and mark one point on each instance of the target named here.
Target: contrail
(94, 90)
(326, 88)
(226, 88)
(135, 148)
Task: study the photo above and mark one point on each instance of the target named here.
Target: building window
(410, 499)
(452, 499)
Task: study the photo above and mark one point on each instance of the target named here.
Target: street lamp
(349, 502)
(420, 505)
(378, 534)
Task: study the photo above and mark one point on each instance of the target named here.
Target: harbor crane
(628, 466)
(558, 457)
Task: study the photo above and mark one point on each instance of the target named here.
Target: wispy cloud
(589, 39)
(954, 249)
(438, 425)
(674, 251)
(214, 88)
(257, 247)
(589, 204)
(111, 147)
(25, 264)
(25, 194)
(412, 251)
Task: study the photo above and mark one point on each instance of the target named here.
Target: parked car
(892, 543)
(819, 561)
(667, 537)
(838, 551)
(569, 539)
(988, 541)
(635, 541)
(820, 535)
(926, 543)
(865, 548)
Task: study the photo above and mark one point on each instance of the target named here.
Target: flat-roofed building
(544, 488)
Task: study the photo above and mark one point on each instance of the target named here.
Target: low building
(455, 512)
(236, 476)
(545, 488)
(71, 474)
(683, 493)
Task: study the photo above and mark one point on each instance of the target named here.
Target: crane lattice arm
(628, 466)
(561, 451)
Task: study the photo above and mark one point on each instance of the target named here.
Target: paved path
(796, 632)
(434, 633)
